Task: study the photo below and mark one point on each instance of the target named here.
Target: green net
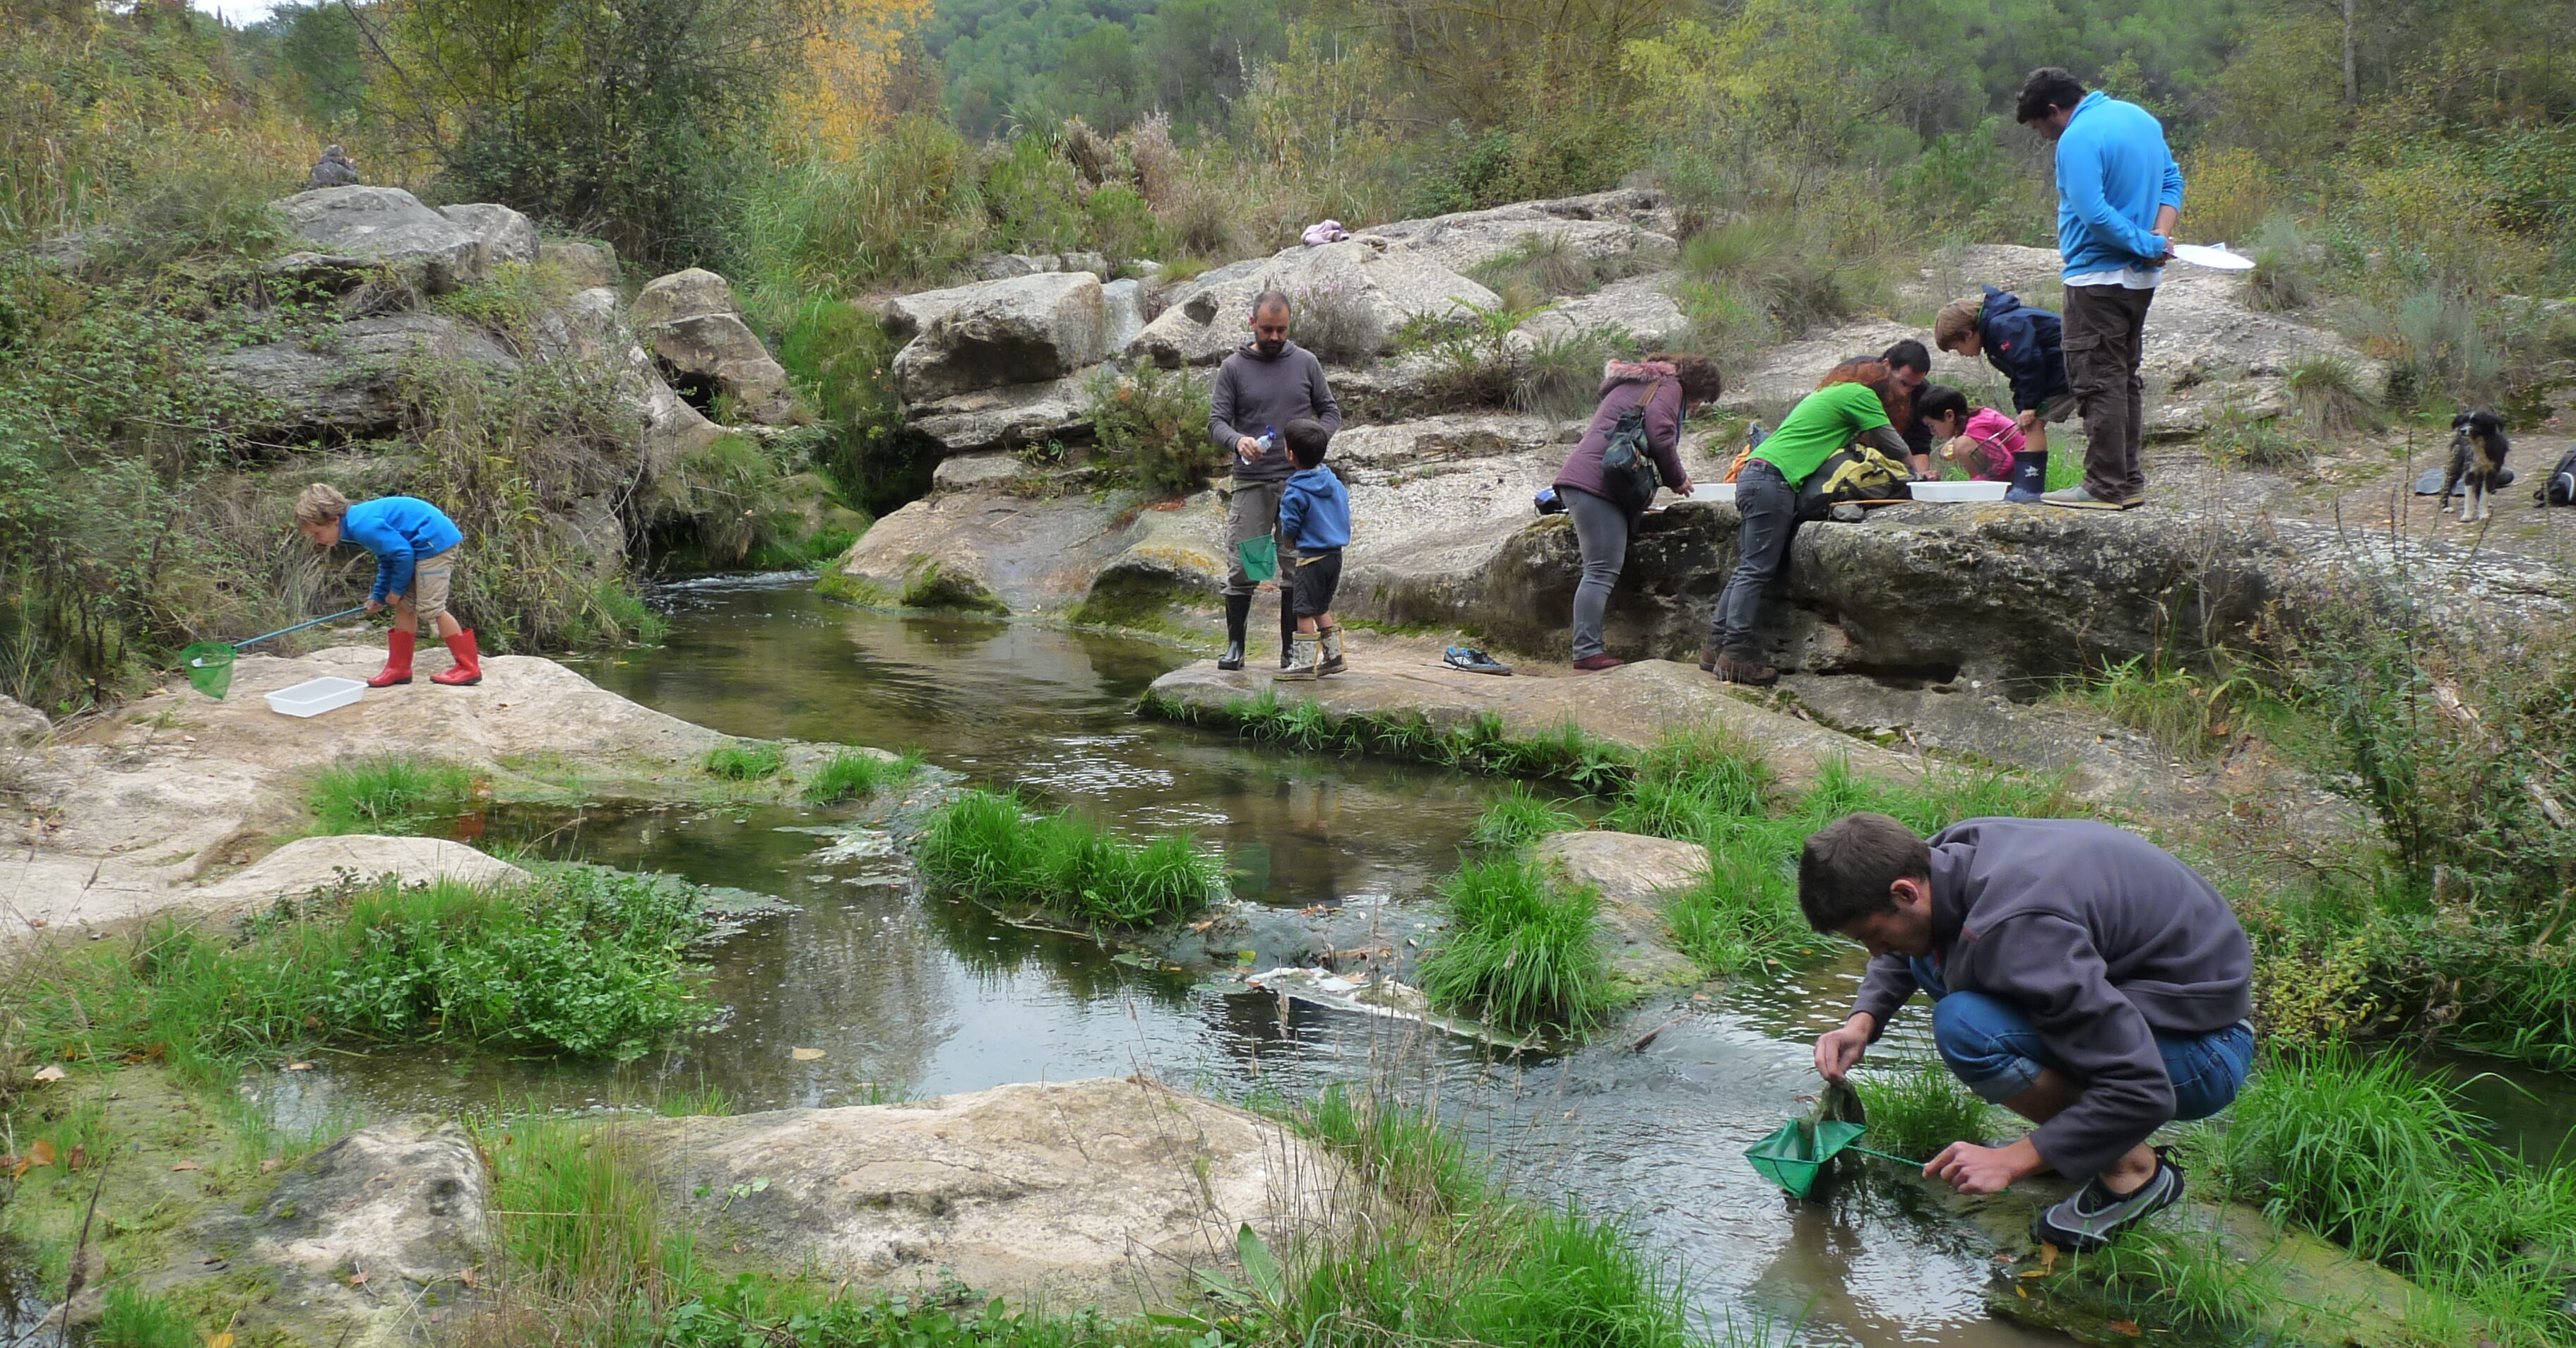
(1260, 557)
(1795, 1157)
(209, 666)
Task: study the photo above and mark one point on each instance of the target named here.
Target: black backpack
(2560, 488)
(1628, 470)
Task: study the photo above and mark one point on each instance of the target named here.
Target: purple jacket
(1622, 384)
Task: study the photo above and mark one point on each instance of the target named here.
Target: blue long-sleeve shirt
(400, 530)
(2113, 171)
(1315, 510)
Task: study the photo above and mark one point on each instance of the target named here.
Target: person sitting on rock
(1669, 385)
(1267, 383)
(1983, 443)
(333, 170)
(2080, 976)
(415, 546)
(1315, 514)
(1863, 407)
(2025, 346)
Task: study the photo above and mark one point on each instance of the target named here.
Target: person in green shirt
(1766, 495)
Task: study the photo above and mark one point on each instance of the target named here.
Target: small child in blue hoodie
(1315, 514)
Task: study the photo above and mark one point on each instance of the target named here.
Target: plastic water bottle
(1269, 438)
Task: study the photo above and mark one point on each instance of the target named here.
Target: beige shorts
(430, 577)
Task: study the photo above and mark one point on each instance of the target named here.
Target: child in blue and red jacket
(415, 546)
(2025, 346)
(1315, 514)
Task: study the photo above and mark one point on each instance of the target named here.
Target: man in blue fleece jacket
(2119, 193)
(415, 544)
(2080, 976)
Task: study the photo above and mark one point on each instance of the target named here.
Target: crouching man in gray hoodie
(2080, 976)
(1267, 383)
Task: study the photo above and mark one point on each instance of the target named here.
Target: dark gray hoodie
(2104, 940)
(1254, 392)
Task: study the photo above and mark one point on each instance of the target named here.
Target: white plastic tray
(316, 696)
(1960, 491)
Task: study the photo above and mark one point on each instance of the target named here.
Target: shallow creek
(917, 996)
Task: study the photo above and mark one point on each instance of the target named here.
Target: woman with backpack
(1866, 409)
(1634, 441)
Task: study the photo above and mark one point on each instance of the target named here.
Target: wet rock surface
(1099, 1192)
(1637, 877)
(308, 864)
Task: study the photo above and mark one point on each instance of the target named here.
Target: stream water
(912, 994)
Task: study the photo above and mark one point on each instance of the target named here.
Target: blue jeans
(1992, 1046)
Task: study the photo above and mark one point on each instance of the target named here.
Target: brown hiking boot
(1708, 658)
(1731, 670)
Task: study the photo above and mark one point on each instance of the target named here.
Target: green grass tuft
(1918, 1111)
(577, 961)
(391, 794)
(1520, 951)
(134, 1318)
(1520, 818)
(1565, 754)
(986, 844)
(745, 760)
(853, 773)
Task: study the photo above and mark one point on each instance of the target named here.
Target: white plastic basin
(316, 696)
(1960, 491)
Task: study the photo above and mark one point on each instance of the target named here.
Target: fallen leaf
(79, 1156)
(51, 1072)
(223, 1340)
(804, 1054)
(357, 1279)
(2047, 1257)
(299, 1067)
(2128, 1327)
(2024, 1291)
(187, 1165)
(43, 1153)
(2032, 1273)
(270, 1165)
(1699, 996)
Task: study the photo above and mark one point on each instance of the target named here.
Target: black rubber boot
(1287, 627)
(1238, 611)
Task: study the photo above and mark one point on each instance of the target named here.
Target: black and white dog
(2477, 454)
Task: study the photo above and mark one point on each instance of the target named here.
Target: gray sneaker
(2095, 1216)
(2076, 498)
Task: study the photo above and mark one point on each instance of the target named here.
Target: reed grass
(1564, 754)
(1919, 1110)
(745, 760)
(1520, 817)
(1520, 951)
(990, 846)
(388, 794)
(134, 1318)
(851, 773)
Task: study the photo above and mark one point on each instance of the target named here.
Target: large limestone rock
(696, 331)
(1637, 877)
(1350, 297)
(307, 864)
(348, 382)
(1080, 1193)
(506, 235)
(371, 1242)
(1639, 306)
(1600, 224)
(20, 723)
(1125, 303)
(987, 420)
(1634, 704)
(585, 263)
(1029, 330)
(390, 226)
(590, 327)
(983, 550)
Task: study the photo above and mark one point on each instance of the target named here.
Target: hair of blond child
(320, 503)
(1956, 320)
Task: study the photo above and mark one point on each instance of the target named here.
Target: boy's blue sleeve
(1292, 512)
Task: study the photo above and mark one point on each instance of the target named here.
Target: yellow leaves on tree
(851, 52)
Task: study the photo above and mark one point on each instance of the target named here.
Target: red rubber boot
(397, 662)
(468, 668)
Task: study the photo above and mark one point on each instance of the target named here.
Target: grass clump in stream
(1520, 817)
(577, 961)
(745, 760)
(987, 844)
(1915, 1112)
(389, 794)
(853, 772)
(1520, 950)
(2371, 1154)
(1565, 753)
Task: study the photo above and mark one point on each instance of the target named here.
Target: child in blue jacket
(415, 546)
(1315, 514)
(2025, 346)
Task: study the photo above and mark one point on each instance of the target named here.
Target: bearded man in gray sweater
(2081, 977)
(1267, 383)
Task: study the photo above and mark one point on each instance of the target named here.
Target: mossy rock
(935, 585)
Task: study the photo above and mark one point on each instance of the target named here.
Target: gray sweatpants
(1601, 527)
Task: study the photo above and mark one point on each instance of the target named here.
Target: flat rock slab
(307, 864)
(1633, 705)
(1638, 877)
(1100, 1192)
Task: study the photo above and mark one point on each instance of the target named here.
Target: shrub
(853, 773)
(1334, 323)
(744, 760)
(987, 845)
(2237, 439)
(1156, 420)
(2329, 397)
(1559, 375)
(392, 794)
(1519, 951)
(2187, 715)
(578, 961)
